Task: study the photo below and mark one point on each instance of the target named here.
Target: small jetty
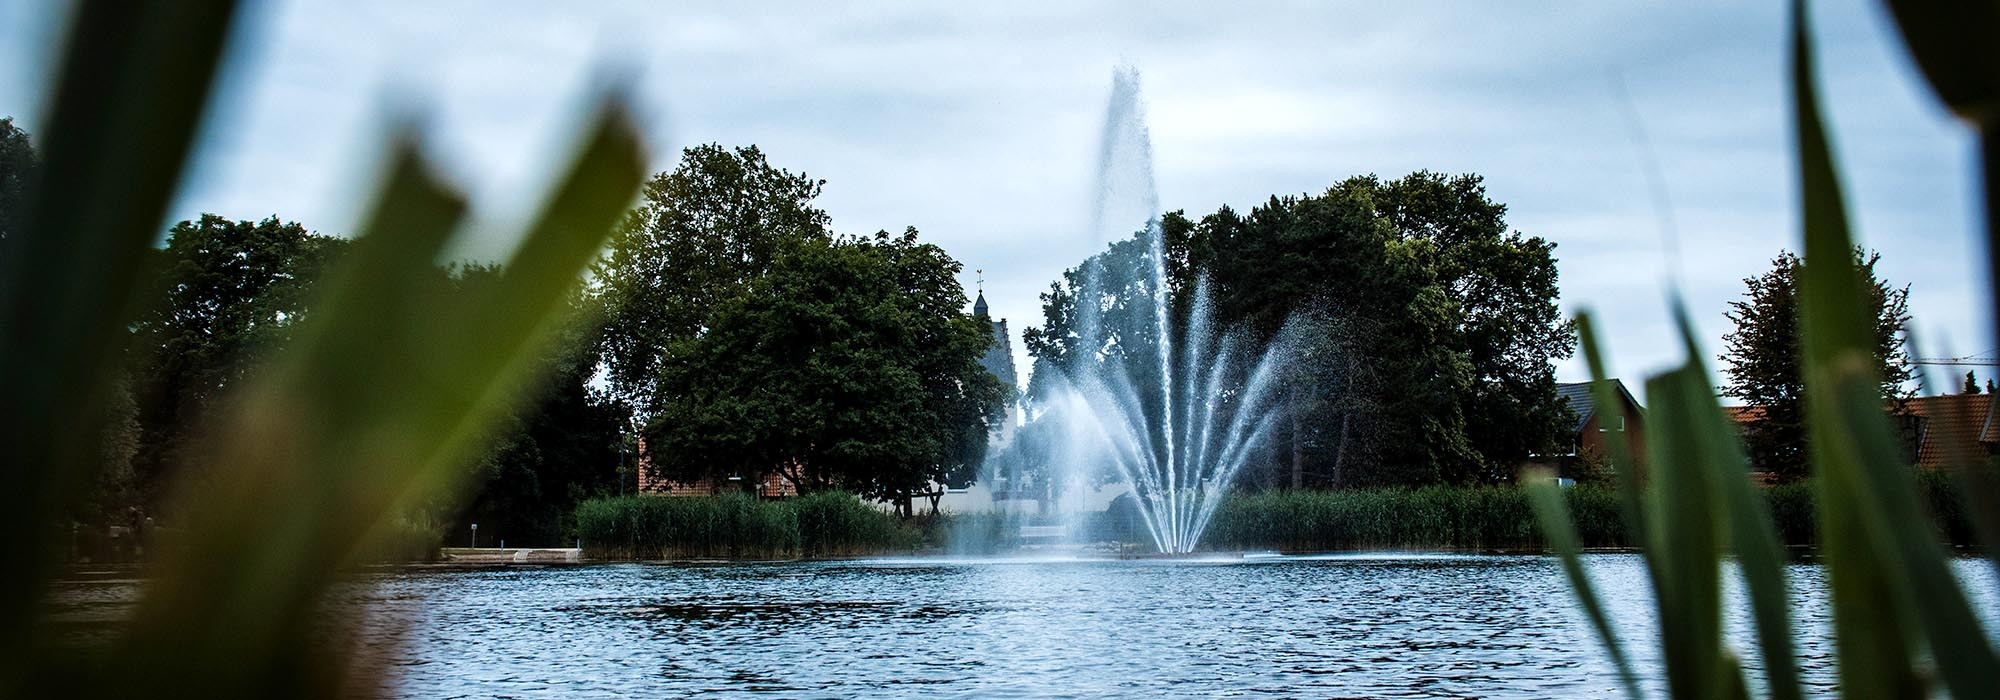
(489, 556)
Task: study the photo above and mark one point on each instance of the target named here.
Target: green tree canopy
(699, 234)
(849, 364)
(1762, 358)
(225, 291)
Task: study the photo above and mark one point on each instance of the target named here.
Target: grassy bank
(738, 526)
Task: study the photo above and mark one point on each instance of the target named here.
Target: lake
(1381, 625)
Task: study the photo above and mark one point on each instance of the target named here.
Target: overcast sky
(977, 123)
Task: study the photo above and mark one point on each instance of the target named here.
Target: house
(1592, 424)
(1743, 416)
(1941, 430)
(653, 483)
(1936, 430)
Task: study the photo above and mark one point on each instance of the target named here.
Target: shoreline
(469, 559)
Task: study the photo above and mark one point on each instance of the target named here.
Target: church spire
(979, 305)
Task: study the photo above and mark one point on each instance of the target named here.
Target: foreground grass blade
(1624, 466)
(293, 466)
(1554, 517)
(525, 309)
(1873, 647)
(1885, 574)
(1759, 556)
(134, 80)
(1684, 539)
(1953, 43)
(392, 387)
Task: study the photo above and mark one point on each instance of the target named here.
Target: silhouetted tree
(1762, 356)
(225, 292)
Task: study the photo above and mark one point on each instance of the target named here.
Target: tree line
(726, 328)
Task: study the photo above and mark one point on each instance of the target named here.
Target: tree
(17, 166)
(699, 234)
(1762, 356)
(1509, 326)
(225, 292)
(848, 364)
(1971, 385)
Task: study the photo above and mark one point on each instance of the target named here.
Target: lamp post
(475, 535)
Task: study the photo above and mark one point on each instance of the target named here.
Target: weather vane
(980, 273)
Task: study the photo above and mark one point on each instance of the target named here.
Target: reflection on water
(1343, 626)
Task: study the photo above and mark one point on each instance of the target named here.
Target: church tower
(999, 360)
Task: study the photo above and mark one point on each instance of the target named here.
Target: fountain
(1153, 394)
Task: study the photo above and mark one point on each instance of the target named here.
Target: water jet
(1152, 389)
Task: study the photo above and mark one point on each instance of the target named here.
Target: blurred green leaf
(1683, 536)
(1624, 466)
(1889, 579)
(390, 390)
(134, 80)
(1749, 531)
(1953, 43)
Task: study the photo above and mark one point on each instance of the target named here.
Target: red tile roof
(1952, 425)
(1743, 415)
(1964, 426)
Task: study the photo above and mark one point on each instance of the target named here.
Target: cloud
(978, 123)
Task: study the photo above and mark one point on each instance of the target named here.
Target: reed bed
(1501, 518)
(738, 526)
(1436, 517)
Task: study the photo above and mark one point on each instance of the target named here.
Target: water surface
(1432, 626)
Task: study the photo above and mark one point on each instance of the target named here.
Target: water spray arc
(1172, 403)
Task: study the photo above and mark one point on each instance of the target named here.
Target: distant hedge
(738, 526)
